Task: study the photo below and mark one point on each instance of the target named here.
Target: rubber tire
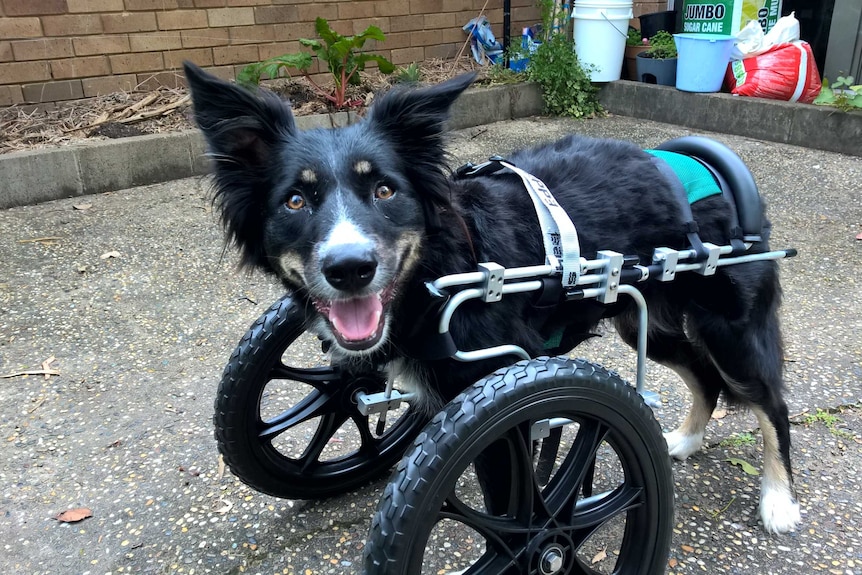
(427, 473)
(237, 411)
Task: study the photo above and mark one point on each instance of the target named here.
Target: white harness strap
(562, 249)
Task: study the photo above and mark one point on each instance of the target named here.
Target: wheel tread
(271, 333)
(444, 435)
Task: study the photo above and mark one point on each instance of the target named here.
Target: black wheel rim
(535, 527)
(274, 417)
(331, 401)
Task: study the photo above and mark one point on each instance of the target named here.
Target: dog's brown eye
(295, 202)
(383, 192)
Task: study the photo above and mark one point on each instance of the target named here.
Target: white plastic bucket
(600, 30)
(701, 61)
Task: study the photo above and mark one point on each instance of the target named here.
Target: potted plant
(657, 64)
(635, 44)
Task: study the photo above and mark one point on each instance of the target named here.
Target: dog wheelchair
(548, 466)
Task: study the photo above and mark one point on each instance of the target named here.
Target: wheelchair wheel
(467, 497)
(295, 432)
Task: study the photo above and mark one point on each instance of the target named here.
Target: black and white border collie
(355, 220)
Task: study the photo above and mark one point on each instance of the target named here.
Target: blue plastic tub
(702, 61)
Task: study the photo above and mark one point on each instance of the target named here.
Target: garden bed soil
(124, 114)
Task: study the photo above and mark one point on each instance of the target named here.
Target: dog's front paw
(680, 445)
(779, 511)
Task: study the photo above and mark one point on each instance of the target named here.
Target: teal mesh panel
(695, 178)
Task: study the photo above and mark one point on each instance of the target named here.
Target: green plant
(827, 418)
(661, 46)
(566, 87)
(739, 440)
(340, 53)
(842, 94)
(634, 37)
(823, 416)
(409, 75)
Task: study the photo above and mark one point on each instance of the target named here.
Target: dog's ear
(415, 118)
(414, 121)
(242, 130)
(240, 127)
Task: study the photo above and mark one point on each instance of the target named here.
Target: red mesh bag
(784, 72)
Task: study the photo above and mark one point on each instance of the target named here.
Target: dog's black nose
(349, 268)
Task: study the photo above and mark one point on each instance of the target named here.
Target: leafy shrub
(661, 46)
(634, 38)
(566, 87)
(340, 54)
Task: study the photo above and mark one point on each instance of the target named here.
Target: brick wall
(54, 50)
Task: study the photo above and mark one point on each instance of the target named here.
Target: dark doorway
(815, 19)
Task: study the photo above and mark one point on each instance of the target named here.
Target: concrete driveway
(134, 298)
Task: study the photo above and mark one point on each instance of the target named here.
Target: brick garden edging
(108, 165)
(819, 127)
(95, 167)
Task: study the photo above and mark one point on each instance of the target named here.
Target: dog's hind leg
(669, 346)
(688, 437)
(751, 383)
(749, 354)
(779, 509)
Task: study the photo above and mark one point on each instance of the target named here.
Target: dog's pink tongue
(356, 319)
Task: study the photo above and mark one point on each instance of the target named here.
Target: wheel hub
(354, 385)
(551, 553)
(552, 560)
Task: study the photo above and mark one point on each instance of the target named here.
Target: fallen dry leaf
(672, 562)
(46, 366)
(719, 413)
(82, 207)
(106, 255)
(746, 466)
(225, 507)
(600, 556)
(73, 515)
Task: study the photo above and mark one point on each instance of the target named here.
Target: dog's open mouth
(357, 323)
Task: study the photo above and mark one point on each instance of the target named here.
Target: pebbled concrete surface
(135, 298)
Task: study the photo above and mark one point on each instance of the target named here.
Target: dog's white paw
(778, 510)
(680, 445)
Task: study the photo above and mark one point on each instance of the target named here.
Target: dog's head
(339, 215)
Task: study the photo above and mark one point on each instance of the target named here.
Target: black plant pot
(652, 23)
(654, 71)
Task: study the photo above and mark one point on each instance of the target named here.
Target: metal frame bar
(604, 284)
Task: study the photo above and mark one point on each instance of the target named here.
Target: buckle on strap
(470, 170)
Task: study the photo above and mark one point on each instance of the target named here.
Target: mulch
(147, 111)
